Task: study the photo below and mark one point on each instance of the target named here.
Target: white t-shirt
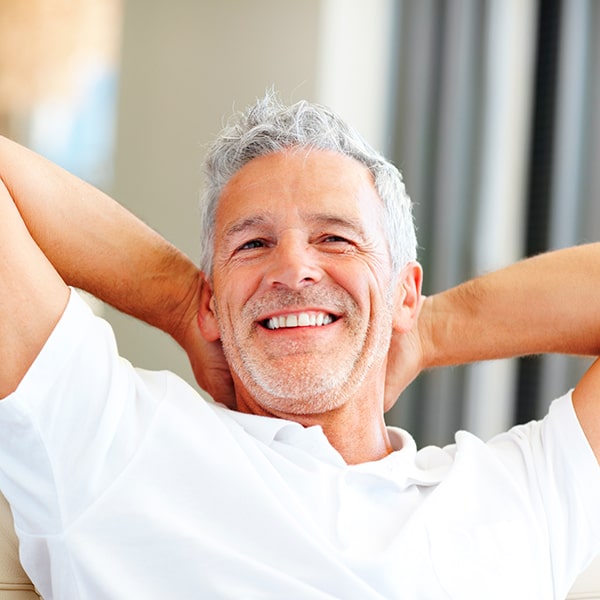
(127, 484)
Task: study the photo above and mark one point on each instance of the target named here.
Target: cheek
(233, 289)
(375, 275)
(230, 300)
(369, 282)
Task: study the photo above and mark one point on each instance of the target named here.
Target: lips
(302, 319)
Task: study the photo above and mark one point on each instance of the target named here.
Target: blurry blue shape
(78, 131)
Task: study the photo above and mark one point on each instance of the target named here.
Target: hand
(406, 357)
(210, 368)
(207, 359)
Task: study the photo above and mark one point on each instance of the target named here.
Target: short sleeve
(73, 423)
(561, 475)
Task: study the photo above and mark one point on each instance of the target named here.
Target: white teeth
(301, 320)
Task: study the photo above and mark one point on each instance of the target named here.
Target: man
(124, 483)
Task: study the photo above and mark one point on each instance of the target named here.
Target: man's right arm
(55, 230)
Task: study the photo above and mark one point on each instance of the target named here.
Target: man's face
(302, 281)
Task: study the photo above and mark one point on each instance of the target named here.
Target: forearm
(549, 303)
(97, 245)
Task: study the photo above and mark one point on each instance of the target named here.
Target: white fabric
(126, 484)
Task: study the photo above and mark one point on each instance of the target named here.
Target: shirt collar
(427, 466)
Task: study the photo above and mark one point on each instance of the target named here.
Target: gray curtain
(472, 80)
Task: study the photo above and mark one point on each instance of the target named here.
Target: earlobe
(408, 297)
(207, 319)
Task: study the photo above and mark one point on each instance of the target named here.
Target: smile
(299, 320)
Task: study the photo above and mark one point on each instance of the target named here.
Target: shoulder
(531, 493)
(550, 451)
(71, 352)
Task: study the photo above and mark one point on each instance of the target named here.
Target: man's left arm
(546, 304)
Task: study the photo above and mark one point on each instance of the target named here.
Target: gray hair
(268, 127)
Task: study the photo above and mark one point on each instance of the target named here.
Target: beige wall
(186, 64)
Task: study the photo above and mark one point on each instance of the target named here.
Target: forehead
(299, 182)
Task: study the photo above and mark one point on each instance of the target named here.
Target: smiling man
(305, 297)
(125, 483)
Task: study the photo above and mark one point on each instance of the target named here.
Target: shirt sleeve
(73, 423)
(562, 477)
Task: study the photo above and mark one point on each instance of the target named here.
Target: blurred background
(487, 106)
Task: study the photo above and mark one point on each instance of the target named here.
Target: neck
(356, 431)
(358, 441)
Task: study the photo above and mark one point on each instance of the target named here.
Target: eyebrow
(239, 226)
(335, 220)
(322, 219)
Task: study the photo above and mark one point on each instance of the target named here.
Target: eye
(335, 239)
(251, 245)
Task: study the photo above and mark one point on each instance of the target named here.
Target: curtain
(494, 129)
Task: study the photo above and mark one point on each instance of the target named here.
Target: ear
(408, 297)
(207, 319)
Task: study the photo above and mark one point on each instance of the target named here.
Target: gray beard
(314, 384)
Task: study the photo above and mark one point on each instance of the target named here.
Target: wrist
(179, 310)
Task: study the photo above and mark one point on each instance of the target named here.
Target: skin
(298, 233)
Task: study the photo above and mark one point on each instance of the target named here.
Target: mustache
(334, 300)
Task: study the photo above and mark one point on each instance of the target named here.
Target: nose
(294, 264)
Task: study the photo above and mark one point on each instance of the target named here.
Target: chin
(307, 395)
(304, 406)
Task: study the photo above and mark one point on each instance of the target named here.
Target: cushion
(14, 583)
